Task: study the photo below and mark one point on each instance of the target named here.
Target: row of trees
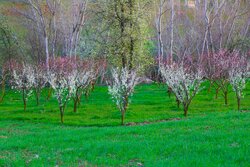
(67, 45)
(220, 69)
(70, 78)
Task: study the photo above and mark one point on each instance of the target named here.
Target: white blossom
(84, 77)
(23, 79)
(237, 78)
(122, 86)
(184, 83)
(64, 85)
(40, 77)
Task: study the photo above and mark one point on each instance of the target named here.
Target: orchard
(121, 66)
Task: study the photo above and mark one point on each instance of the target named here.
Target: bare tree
(38, 16)
(55, 26)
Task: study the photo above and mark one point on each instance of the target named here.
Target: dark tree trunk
(210, 86)
(226, 97)
(185, 107)
(178, 102)
(169, 92)
(75, 104)
(217, 93)
(86, 94)
(132, 42)
(93, 85)
(38, 94)
(238, 102)
(125, 108)
(3, 90)
(77, 99)
(49, 93)
(122, 27)
(24, 100)
(62, 113)
(123, 117)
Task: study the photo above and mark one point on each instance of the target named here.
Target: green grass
(217, 139)
(212, 135)
(149, 103)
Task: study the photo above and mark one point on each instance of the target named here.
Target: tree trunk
(159, 35)
(46, 49)
(62, 113)
(24, 100)
(37, 100)
(169, 92)
(79, 101)
(38, 93)
(86, 94)
(238, 102)
(132, 42)
(226, 97)
(75, 104)
(185, 109)
(217, 93)
(3, 90)
(172, 30)
(123, 117)
(49, 93)
(178, 103)
(210, 86)
(124, 108)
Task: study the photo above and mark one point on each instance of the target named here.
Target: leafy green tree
(9, 49)
(125, 32)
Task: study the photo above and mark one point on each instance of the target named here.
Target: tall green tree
(126, 31)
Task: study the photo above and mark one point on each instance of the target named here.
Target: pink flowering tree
(238, 75)
(183, 81)
(216, 67)
(23, 79)
(121, 88)
(85, 77)
(62, 76)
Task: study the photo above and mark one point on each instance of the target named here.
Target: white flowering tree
(183, 82)
(40, 81)
(121, 88)
(237, 76)
(23, 79)
(85, 76)
(62, 77)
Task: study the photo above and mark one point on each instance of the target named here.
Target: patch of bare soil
(244, 111)
(152, 122)
(3, 137)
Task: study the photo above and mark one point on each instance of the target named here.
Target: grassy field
(212, 135)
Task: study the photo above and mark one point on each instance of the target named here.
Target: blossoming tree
(23, 79)
(62, 76)
(216, 67)
(40, 80)
(238, 75)
(122, 87)
(223, 68)
(85, 76)
(184, 82)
